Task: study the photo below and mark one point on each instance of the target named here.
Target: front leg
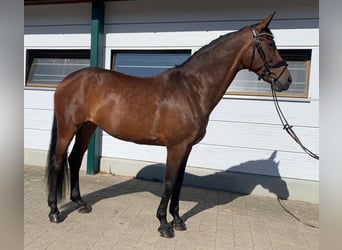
(75, 196)
(178, 222)
(165, 229)
(176, 156)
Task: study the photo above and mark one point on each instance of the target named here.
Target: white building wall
(241, 129)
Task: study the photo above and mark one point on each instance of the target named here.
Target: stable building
(245, 149)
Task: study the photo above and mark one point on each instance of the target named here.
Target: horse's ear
(264, 24)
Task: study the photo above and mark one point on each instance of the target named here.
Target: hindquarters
(63, 130)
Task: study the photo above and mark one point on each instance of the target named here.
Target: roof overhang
(45, 2)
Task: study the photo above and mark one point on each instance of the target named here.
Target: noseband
(267, 66)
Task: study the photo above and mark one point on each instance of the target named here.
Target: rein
(288, 127)
(267, 71)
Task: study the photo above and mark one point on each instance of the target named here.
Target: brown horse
(170, 109)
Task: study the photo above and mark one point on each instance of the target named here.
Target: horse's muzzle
(281, 85)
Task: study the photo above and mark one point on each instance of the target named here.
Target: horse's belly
(132, 130)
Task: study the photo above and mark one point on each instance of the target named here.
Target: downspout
(96, 60)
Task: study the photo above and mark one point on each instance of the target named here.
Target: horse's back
(94, 85)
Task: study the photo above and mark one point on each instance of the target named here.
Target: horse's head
(263, 58)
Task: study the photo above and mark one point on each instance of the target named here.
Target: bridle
(267, 66)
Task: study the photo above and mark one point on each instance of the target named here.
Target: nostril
(289, 79)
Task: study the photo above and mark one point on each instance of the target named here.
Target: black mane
(211, 45)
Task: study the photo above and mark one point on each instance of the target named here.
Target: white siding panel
(40, 139)
(38, 99)
(36, 139)
(263, 111)
(38, 108)
(113, 147)
(258, 136)
(197, 39)
(162, 39)
(55, 41)
(40, 119)
(298, 37)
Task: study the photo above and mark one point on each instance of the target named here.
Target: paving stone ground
(124, 217)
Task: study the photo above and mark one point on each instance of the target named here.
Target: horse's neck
(215, 69)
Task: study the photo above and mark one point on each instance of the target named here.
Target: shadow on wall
(237, 183)
(239, 179)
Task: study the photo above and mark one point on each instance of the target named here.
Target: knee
(169, 186)
(161, 212)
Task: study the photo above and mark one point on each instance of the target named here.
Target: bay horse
(169, 109)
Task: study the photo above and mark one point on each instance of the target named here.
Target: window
(247, 83)
(46, 68)
(147, 62)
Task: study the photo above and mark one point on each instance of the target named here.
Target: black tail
(51, 171)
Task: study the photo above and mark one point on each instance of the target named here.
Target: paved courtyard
(124, 217)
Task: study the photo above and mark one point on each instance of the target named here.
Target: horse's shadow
(226, 180)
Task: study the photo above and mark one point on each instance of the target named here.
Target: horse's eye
(271, 44)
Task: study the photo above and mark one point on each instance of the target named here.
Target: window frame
(146, 51)
(32, 54)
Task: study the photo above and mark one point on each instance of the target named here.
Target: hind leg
(56, 172)
(83, 136)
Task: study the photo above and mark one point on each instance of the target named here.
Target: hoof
(84, 209)
(166, 231)
(178, 225)
(55, 217)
